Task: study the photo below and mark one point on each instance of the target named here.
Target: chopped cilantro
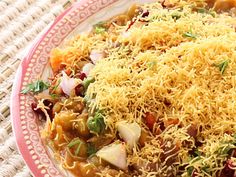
(202, 10)
(35, 87)
(74, 142)
(190, 35)
(226, 150)
(222, 66)
(196, 153)
(56, 86)
(206, 169)
(96, 123)
(176, 15)
(100, 28)
(151, 64)
(78, 149)
(54, 96)
(91, 149)
(205, 11)
(196, 159)
(87, 82)
(190, 171)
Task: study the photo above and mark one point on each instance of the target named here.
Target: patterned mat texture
(21, 23)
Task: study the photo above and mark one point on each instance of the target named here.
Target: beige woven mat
(21, 23)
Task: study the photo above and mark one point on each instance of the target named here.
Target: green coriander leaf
(56, 86)
(78, 148)
(190, 35)
(176, 15)
(54, 96)
(87, 82)
(196, 159)
(28, 88)
(234, 135)
(222, 66)
(74, 142)
(205, 169)
(96, 123)
(213, 13)
(197, 152)
(226, 150)
(101, 23)
(202, 10)
(190, 171)
(38, 86)
(151, 64)
(91, 149)
(35, 87)
(87, 99)
(99, 29)
(205, 11)
(154, 18)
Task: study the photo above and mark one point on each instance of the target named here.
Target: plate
(26, 125)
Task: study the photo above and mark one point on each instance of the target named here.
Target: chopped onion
(130, 132)
(96, 55)
(87, 68)
(125, 34)
(114, 154)
(67, 84)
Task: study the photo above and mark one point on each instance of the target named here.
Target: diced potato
(58, 138)
(133, 11)
(121, 20)
(57, 108)
(81, 125)
(75, 105)
(143, 138)
(78, 147)
(100, 141)
(64, 118)
(87, 170)
(83, 150)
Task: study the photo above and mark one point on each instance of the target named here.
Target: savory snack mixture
(151, 92)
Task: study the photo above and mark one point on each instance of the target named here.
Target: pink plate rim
(24, 121)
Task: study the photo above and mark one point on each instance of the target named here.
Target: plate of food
(131, 88)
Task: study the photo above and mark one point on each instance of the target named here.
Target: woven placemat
(21, 23)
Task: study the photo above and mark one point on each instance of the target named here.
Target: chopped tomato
(228, 170)
(157, 131)
(169, 122)
(150, 120)
(56, 59)
(192, 131)
(68, 71)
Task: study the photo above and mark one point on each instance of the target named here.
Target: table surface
(21, 23)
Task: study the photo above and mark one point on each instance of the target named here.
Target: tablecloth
(21, 24)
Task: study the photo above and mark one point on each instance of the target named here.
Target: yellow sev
(159, 62)
(138, 76)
